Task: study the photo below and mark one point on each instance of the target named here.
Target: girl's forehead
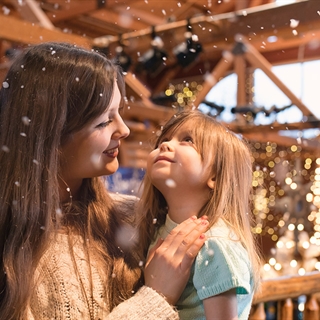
(185, 126)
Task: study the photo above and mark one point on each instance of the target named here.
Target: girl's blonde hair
(51, 91)
(231, 166)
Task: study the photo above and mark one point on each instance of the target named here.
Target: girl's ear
(211, 183)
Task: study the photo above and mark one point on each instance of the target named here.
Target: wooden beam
(138, 88)
(71, 9)
(268, 136)
(142, 15)
(219, 71)
(31, 11)
(169, 74)
(139, 111)
(275, 127)
(24, 32)
(123, 19)
(285, 287)
(255, 3)
(258, 61)
(225, 6)
(232, 25)
(177, 13)
(241, 5)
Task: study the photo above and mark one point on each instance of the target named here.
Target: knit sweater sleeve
(146, 304)
(63, 291)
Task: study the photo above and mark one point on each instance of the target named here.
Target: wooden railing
(282, 291)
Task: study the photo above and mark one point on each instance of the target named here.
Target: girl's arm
(222, 306)
(169, 263)
(166, 274)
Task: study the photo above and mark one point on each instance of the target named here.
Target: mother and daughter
(60, 258)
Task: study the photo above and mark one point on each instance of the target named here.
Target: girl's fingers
(168, 267)
(191, 253)
(185, 237)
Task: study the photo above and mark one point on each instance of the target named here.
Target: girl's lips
(163, 158)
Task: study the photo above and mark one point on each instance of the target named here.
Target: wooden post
(257, 312)
(286, 310)
(240, 70)
(311, 309)
(219, 71)
(257, 60)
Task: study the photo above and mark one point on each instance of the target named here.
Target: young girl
(60, 258)
(199, 167)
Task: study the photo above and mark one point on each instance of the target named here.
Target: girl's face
(177, 163)
(93, 150)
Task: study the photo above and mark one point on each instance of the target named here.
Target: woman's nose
(122, 131)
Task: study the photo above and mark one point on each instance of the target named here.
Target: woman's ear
(211, 183)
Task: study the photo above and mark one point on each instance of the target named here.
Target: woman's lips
(112, 153)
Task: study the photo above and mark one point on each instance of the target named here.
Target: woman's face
(93, 151)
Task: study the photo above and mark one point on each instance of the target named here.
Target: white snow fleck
(26, 120)
(170, 183)
(5, 149)
(5, 85)
(294, 23)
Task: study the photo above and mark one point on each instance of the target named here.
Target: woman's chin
(111, 167)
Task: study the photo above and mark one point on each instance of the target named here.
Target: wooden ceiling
(271, 33)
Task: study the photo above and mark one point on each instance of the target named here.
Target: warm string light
(279, 173)
(184, 93)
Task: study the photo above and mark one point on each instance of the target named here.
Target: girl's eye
(104, 124)
(188, 139)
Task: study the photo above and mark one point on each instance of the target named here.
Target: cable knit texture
(63, 292)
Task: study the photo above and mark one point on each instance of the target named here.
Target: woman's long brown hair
(51, 91)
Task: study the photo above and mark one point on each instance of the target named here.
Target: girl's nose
(166, 146)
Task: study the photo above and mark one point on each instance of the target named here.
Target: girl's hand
(169, 262)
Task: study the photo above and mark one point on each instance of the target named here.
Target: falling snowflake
(5, 85)
(170, 183)
(294, 23)
(5, 149)
(5, 10)
(26, 121)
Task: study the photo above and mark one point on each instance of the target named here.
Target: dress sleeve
(146, 304)
(221, 265)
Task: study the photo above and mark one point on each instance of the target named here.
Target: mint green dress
(221, 265)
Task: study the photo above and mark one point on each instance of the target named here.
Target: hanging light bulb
(188, 51)
(153, 60)
(122, 58)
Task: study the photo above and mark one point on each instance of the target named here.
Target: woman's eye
(121, 110)
(104, 124)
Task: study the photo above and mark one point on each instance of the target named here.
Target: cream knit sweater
(64, 293)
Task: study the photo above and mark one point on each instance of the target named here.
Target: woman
(62, 253)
